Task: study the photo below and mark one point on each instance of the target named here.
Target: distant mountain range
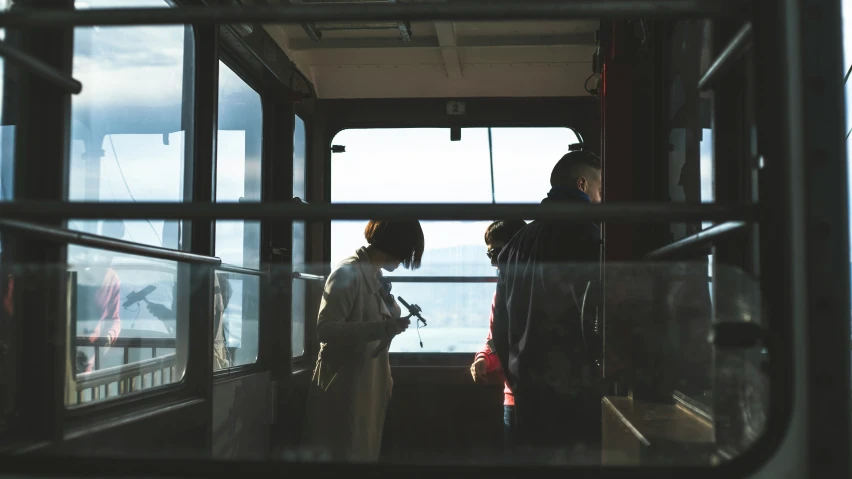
(467, 260)
(451, 305)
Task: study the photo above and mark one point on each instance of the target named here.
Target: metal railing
(308, 277)
(699, 243)
(298, 13)
(128, 378)
(125, 344)
(105, 243)
(612, 212)
(729, 56)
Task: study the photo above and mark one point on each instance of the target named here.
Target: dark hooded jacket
(545, 273)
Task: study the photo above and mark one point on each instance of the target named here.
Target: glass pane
(521, 171)
(297, 305)
(453, 248)
(457, 317)
(690, 161)
(299, 159)
(126, 310)
(657, 327)
(238, 174)
(399, 173)
(7, 129)
(380, 165)
(384, 166)
(129, 123)
(237, 338)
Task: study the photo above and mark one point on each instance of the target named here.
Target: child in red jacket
(486, 367)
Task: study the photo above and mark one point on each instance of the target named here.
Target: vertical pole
(491, 160)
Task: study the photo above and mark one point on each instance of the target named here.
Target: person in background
(99, 290)
(221, 297)
(547, 353)
(486, 367)
(351, 385)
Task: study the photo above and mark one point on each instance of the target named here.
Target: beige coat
(350, 389)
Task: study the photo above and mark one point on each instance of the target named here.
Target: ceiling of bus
(443, 59)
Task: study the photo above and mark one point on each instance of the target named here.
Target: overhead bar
(729, 56)
(299, 13)
(37, 67)
(612, 212)
(101, 242)
(693, 245)
(442, 279)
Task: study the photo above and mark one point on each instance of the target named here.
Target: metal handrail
(727, 58)
(308, 277)
(102, 242)
(613, 212)
(229, 268)
(125, 371)
(37, 67)
(692, 246)
(121, 342)
(298, 13)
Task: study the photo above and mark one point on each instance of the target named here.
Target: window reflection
(238, 160)
(129, 144)
(126, 310)
(240, 310)
(238, 179)
(129, 123)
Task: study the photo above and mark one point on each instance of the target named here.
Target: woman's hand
(396, 326)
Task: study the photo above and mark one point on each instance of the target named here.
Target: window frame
(76, 415)
(237, 66)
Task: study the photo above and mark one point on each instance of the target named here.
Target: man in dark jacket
(549, 353)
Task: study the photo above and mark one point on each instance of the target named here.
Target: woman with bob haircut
(351, 385)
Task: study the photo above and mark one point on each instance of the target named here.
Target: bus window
(238, 179)
(299, 291)
(128, 144)
(7, 319)
(422, 165)
(125, 312)
(847, 67)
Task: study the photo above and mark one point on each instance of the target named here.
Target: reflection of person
(104, 304)
(486, 366)
(538, 332)
(350, 389)
(221, 297)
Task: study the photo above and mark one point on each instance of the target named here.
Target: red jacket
(108, 300)
(493, 368)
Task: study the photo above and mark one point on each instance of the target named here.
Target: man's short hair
(402, 239)
(572, 166)
(503, 231)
